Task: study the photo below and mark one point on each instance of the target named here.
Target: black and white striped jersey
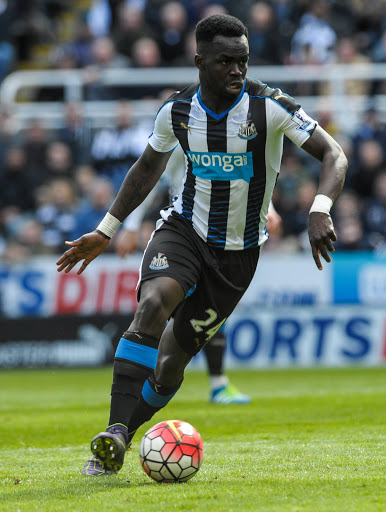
(232, 159)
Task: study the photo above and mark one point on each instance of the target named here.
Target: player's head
(222, 55)
(218, 25)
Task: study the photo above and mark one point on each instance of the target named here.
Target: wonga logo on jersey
(222, 166)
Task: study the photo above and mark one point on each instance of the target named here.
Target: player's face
(223, 67)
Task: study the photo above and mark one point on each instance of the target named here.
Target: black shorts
(213, 280)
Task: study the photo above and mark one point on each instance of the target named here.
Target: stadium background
(80, 84)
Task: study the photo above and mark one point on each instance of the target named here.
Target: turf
(312, 440)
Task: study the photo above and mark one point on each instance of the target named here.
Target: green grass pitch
(312, 440)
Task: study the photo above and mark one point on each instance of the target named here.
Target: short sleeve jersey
(231, 159)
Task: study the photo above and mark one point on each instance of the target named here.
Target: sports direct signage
(37, 289)
(359, 279)
(299, 336)
(291, 315)
(108, 285)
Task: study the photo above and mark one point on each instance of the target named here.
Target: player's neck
(214, 103)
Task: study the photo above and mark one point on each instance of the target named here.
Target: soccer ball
(171, 451)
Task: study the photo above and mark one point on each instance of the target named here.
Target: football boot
(108, 449)
(93, 468)
(227, 395)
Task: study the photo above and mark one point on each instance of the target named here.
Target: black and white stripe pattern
(232, 160)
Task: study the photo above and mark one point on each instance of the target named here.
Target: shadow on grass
(79, 489)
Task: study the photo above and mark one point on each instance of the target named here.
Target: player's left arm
(332, 176)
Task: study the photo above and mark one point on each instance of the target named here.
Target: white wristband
(109, 225)
(321, 204)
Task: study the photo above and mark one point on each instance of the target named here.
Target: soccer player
(205, 249)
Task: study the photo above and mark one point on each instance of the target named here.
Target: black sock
(130, 373)
(153, 398)
(122, 404)
(214, 352)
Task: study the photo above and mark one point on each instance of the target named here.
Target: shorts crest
(159, 262)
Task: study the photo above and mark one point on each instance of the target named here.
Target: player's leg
(169, 269)
(135, 360)
(195, 321)
(222, 391)
(163, 384)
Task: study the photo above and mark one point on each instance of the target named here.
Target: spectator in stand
(99, 18)
(57, 215)
(351, 236)
(114, 150)
(277, 242)
(30, 26)
(146, 53)
(79, 49)
(12, 252)
(104, 15)
(30, 234)
(264, 37)
(347, 53)
(370, 128)
(189, 52)
(348, 205)
(76, 132)
(152, 12)
(369, 17)
(35, 144)
(314, 41)
(375, 214)
(104, 56)
(9, 132)
(349, 211)
(131, 27)
(84, 175)
(16, 185)
(349, 216)
(326, 121)
(371, 161)
(286, 193)
(59, 160)
(299, 217)
(25, 242)
(286, 11)
(100, 196)
(187, 58)
(172, 31)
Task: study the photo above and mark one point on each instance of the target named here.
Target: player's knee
(151, 315)
(158, 299)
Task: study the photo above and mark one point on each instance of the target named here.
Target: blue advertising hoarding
(359, 278)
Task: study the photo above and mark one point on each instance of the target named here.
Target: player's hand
(126, 242)
(321, 234)
(85, 248)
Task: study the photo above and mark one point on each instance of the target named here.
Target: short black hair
(219, 25)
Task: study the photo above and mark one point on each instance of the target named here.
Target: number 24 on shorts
(198, 325)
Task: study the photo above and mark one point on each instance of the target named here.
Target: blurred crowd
(56, 184)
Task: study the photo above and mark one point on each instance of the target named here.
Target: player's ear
(199, 61)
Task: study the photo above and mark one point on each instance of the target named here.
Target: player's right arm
(139, 181)
(137, 184)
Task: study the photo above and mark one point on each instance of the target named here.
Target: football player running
(205, 250)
